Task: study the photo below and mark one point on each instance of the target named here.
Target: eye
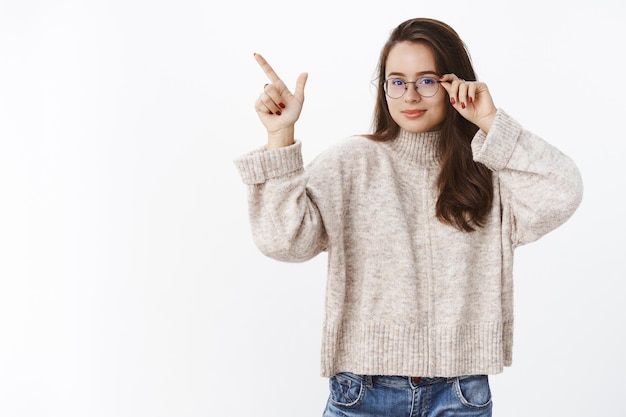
(396, 82)
(427, 81)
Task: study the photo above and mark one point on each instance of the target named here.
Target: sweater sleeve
(540, 187)
(285, 220)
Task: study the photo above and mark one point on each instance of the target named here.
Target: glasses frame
(406, 86)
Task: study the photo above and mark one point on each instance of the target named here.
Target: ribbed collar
(417, 148)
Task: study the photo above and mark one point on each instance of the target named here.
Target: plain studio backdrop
(129, 282)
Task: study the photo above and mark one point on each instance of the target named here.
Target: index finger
(267, 69)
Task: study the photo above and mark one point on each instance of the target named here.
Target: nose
(411, 95)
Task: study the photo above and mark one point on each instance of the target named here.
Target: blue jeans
(395, 396)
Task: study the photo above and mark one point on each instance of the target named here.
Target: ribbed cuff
(495, 148)
(261, 165)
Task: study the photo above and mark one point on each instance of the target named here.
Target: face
(409, 61)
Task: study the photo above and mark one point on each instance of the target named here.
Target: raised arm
(285, 218)
(540, 186)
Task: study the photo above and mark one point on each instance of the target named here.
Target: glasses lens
(394, 87)
(427, 86)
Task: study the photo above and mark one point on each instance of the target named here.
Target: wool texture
(407, 294)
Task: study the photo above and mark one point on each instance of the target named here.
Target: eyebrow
(419, 74)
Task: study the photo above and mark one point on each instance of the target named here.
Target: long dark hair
(465, 186)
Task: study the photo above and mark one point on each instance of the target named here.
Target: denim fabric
(394, 396)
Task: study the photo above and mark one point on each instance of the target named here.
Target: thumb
(300, 83)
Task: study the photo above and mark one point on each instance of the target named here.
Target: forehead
(409, 58)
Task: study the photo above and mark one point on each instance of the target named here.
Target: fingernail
(282, 106)
(452, 101)
(278, 112)
(462, 105)
(471, 100)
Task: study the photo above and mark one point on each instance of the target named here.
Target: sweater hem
(412, 350)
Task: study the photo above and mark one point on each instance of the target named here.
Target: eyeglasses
(425, 87)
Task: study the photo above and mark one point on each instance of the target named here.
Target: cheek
(393, 106)
(441, 105)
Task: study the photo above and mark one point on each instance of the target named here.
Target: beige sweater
(407, 294)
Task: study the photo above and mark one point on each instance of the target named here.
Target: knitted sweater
(407, 294)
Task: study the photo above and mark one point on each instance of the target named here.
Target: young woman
(420, 220)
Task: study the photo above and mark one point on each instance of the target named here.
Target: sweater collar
(417, 148)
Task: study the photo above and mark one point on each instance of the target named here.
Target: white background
(129, 283)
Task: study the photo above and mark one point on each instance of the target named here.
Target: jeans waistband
(408, 381)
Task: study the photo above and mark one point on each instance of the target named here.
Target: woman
(420, 220)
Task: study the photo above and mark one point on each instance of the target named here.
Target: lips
(413, 114)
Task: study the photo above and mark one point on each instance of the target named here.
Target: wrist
(280, 138)
(486, 122)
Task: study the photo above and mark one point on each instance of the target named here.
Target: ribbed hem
(261, 165)
(443, 351)
(495, 148)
